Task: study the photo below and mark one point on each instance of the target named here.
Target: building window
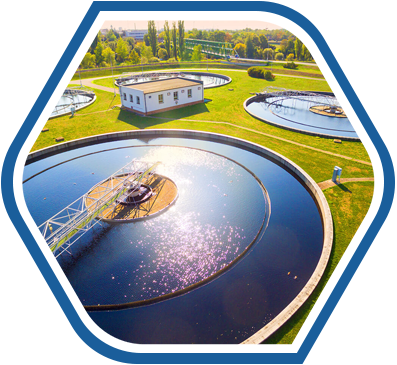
(138, 100)
(131, 99)
(189, 93)
(175, 95)
(161, 98)
(125, 96)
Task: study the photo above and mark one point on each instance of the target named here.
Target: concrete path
(271, 136)
(329, 183)
(89, 82)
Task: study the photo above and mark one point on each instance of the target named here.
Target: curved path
(89, 82)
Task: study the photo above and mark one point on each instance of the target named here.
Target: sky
(199, 24)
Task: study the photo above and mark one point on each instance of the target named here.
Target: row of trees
(111, 49)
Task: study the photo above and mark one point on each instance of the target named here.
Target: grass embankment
(225, 114)
(309, 71)
(349, 204)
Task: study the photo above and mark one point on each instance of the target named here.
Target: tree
(279, 56)
(112, 45)
(167, 38)
(152, 36)
(130, 42)
(284, 47)
(268, 54)
(298, 49)
(249, 47)
(146, 52)
(94, 44)
(134, 58)
(88, 61)
(197, 55)
(146, 39)
(181, 38)
(110, 36)
(174, 41)
(98, 54)
(290, 57)
(122, 50)
(163, 55)
(306, 54)
(263, 43)
(240, 48)
(108, 56)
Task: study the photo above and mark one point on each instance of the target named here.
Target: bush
(279, 56)
(267, 75)
(260, 73)
(256, 72)
(172, 60)
(153, 60)
(290, 65)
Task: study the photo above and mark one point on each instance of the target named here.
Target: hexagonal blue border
(55, 286)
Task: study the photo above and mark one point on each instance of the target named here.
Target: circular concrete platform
(164, 192)
(327, 111)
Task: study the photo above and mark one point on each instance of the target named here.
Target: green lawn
(225, 115)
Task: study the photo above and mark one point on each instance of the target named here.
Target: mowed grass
(227, 106)
(225, 115)
(349, 203)
(100, 118)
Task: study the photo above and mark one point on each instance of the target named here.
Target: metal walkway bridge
(310, 97)
(220, 49)
(72, 222)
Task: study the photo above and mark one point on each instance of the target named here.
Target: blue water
(293, 113)
(219, 211)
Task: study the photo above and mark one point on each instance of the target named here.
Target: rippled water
(294, 113)
(219, 211)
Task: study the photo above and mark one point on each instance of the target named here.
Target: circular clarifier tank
(242, 224)
(303, 112)
(210, 80)
(73, 99)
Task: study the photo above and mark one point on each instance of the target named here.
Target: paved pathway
(271, 136)
(329, 183)
(89, 82)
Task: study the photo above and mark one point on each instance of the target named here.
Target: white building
(157, 96)
(137, 34)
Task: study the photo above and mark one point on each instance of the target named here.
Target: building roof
(164, 84)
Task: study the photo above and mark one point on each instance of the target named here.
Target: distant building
(157, 96)
(137, 34)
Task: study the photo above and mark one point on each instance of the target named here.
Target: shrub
(260, 73)
(290, 65)
(172, 60)
(279, 56)
(290, 57)
(153, 60)
(256, 72)
(267, 75)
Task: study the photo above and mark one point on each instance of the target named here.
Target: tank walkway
(72, 222)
